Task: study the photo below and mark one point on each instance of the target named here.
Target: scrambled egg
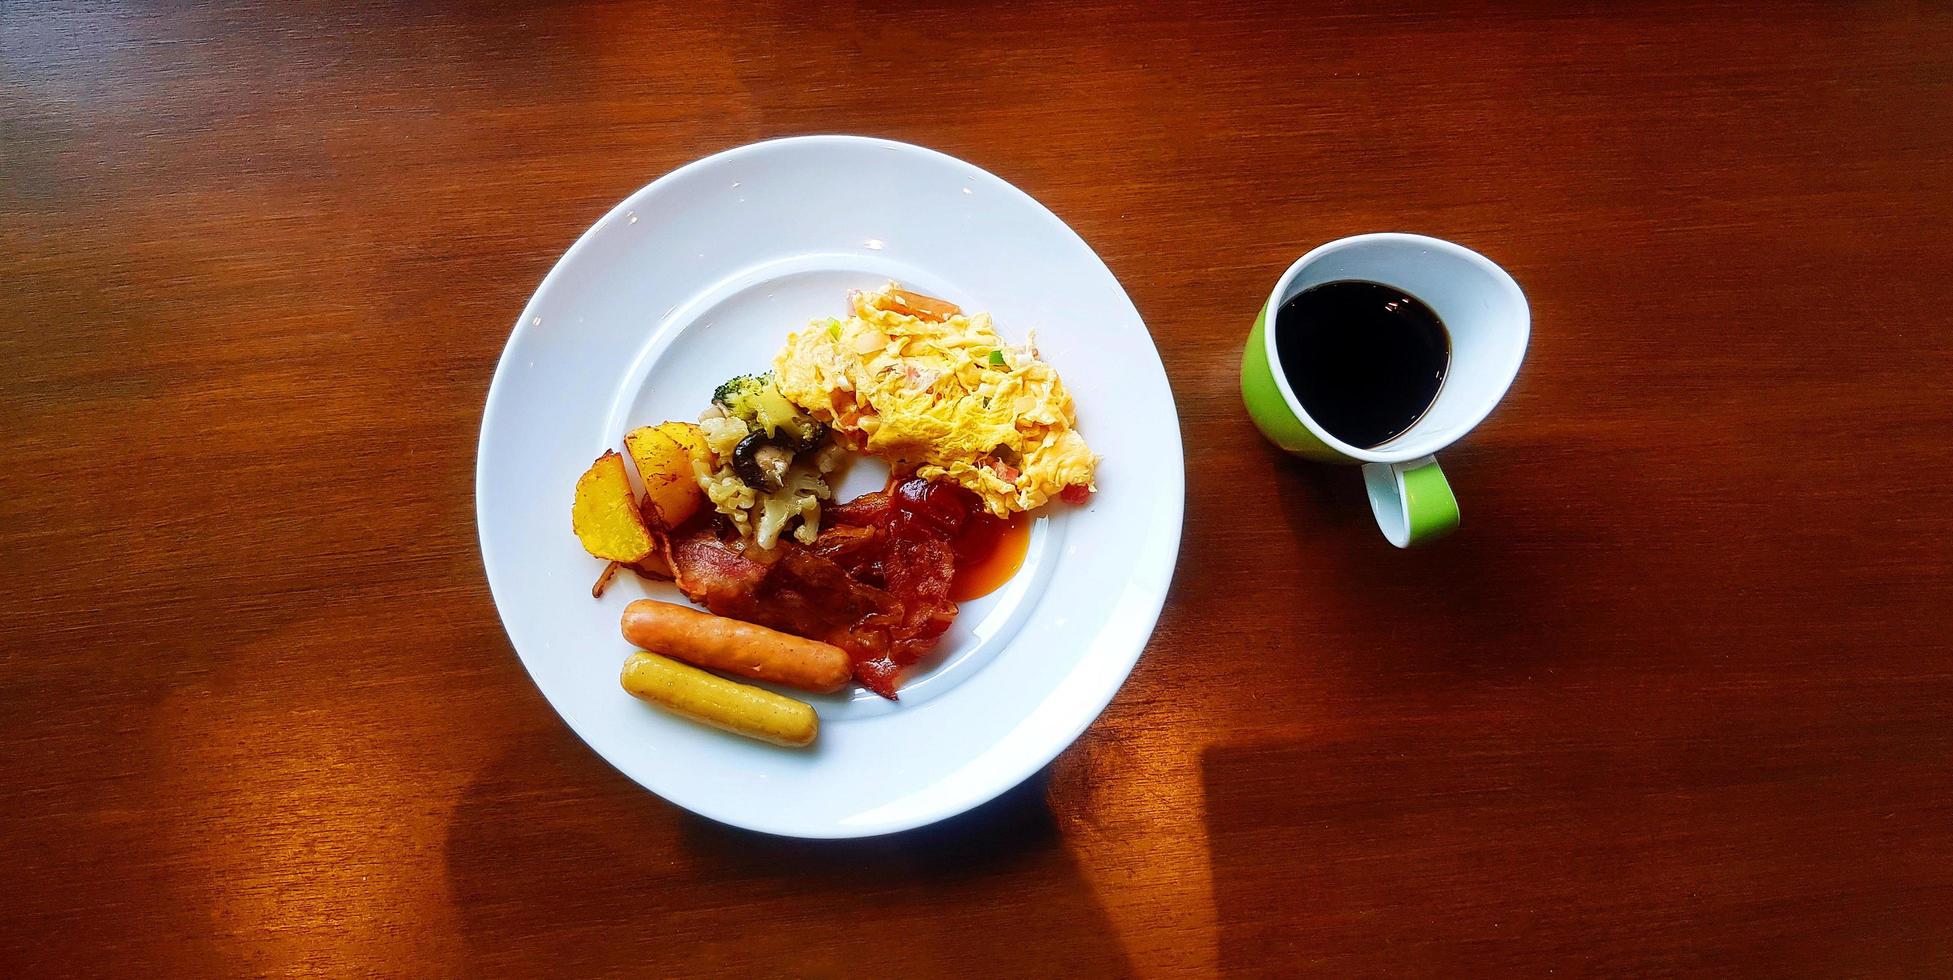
(915, 381)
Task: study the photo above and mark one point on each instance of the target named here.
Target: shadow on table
(556, 861)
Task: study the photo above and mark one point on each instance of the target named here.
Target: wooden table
(1677, 700)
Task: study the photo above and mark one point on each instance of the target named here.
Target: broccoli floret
(740, 396)
(802, 432)
(753, 399)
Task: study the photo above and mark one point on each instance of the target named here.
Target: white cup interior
(1482, 308)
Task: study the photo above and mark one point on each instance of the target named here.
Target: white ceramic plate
(699, 277)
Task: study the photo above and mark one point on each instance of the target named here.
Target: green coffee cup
(1486, 316)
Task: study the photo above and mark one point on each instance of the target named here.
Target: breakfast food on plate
(876, 583)
(664, 456)
(605, 516)
(737, 510)
(931, 389)
(742, 649)
(771, 461)
(713, 700)
(603, 579)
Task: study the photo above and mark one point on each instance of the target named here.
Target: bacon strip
(874, 583)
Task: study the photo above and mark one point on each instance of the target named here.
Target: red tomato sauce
(988, 552)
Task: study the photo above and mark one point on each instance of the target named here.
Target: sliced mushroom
(760, 464)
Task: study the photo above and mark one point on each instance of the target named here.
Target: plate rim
(1112, 680)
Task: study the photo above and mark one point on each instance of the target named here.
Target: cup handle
(1412, 500)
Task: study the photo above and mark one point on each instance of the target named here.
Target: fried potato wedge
(689, 435)
(663, 454)
(605, 514)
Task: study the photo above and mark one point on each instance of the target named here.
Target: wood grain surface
(1678, 700)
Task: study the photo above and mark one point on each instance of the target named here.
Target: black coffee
(1366, 360)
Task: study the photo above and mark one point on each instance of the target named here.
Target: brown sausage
(743, 650)
(922, 307)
